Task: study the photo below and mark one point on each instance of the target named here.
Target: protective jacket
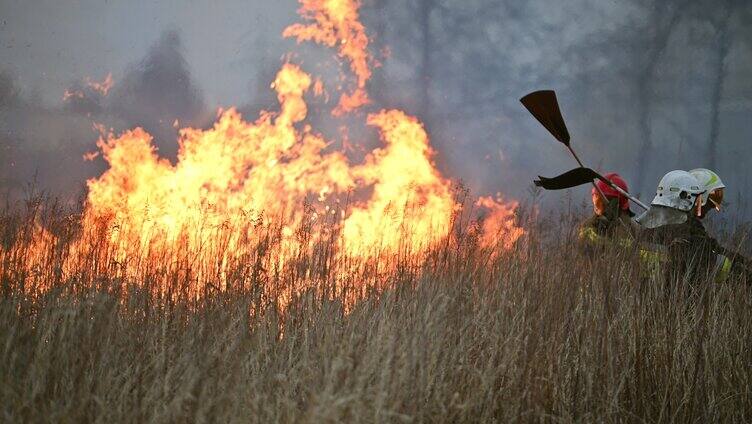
(690, 253)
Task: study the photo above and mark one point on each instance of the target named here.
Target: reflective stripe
(589, 234)
(654, 261)
(722, 268)
(652, 256)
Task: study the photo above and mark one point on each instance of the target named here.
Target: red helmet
(611, 193)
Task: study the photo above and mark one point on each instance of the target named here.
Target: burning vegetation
(264, 275)
(275, 183)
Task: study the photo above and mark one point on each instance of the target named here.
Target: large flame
(234, 169)
(410, 197)
(230, 181)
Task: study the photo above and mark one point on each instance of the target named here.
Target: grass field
(540, 333)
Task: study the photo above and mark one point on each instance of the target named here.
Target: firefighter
(672, 225)
(612, 218)
(733, 262)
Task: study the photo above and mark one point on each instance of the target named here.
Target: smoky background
(646, 86)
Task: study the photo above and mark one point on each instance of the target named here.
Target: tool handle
(577, 158)
(614, 186)
(629, 196)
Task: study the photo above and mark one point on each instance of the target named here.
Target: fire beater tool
(544, 106)
(580, 176)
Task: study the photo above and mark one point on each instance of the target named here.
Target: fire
(70, 94)
(271, 166)
(241, 188)
(101, 87)
(336, 23)
(234, 169)
(409, 195)
(499, 226)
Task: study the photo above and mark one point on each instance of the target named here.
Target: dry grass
(539, 334)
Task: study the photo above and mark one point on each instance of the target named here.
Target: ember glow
(274, 183)
(70, 94)
(102, 87)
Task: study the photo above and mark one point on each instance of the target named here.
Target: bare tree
(732, 17)
(664, 16)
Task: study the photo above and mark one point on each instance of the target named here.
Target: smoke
(646, 86)
(43, 146)
(159, 91)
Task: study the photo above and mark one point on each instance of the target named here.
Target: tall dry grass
(543, 333)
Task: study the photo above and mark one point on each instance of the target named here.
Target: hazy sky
(485, 55)
(48, 44)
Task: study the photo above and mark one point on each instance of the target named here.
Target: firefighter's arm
(731, 261)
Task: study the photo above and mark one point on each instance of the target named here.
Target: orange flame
(337, 24)
(239, 174)
(499, 226)
(409, 194)
(69, 94)
(225, 171)
(101, 87)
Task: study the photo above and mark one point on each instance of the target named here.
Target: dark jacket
(692, 255)
(615, 226)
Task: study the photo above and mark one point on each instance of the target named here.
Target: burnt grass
(540, 333)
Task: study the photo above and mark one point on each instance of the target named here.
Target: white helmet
(678, 190)
(709, 181)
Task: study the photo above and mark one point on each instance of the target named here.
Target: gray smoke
(158, 91)
(646, 86)
(43, 146)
